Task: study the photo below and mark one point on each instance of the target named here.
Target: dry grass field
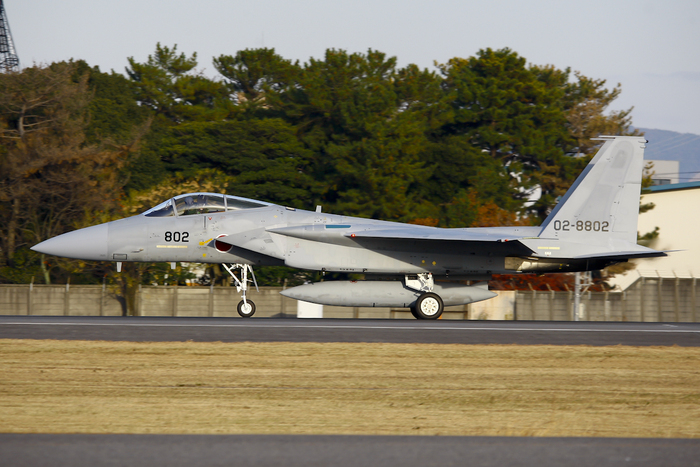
(310, 388)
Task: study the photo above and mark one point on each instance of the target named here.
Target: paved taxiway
(242, 450)
(334, 330)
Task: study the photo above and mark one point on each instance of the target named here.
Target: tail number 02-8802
(177, 237)
(582, 226)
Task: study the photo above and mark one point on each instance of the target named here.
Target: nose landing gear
(245, 308)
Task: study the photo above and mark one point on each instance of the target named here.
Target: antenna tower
(9, 61)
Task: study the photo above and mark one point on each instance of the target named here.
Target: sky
(652, 48)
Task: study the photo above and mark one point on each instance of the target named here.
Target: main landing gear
(428, 305)
(245, 308)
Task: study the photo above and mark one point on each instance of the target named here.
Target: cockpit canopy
(202, 203)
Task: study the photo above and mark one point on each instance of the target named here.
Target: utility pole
(577, 294)
(580, 287)
(9, 61)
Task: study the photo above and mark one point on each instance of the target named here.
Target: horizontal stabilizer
(623, 255)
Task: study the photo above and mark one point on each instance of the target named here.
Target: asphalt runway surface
(141, 329)
(341, 451)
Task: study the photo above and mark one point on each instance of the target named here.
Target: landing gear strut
(245, 308)
(429, 305)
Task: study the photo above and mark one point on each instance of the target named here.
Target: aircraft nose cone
(89, 244)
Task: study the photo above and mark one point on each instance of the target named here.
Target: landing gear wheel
(246, 309)
(429, 306)
(413, 312)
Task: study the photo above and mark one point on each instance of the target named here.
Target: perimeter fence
(651, 300)
(648, 299)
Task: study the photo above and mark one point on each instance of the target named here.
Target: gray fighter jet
(422, 268)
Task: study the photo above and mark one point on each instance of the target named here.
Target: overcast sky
(651, 47)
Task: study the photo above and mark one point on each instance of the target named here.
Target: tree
(49, 176)
(169, 85)
(584, 102)
(504, 109)
(263, 157)
(587, 100)
(351, 111)
(253, 74)
(113, 113)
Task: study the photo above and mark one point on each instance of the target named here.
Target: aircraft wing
(431, 233)
(482, 242)
(497, 241)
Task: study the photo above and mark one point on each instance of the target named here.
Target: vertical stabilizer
(603, 204)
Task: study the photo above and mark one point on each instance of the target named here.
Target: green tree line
(464, 145)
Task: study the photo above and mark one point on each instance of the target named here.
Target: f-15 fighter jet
(422, 268)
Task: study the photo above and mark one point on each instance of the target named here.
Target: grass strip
(50, 386)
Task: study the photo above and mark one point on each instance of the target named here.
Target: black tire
(429, 306)
(246, 311)
(413, 312)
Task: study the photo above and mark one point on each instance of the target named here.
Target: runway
(298, 450)
(138, 329)
(342, 451)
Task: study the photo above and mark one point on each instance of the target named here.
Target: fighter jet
(417, 267)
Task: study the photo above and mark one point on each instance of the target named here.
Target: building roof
(675, 186)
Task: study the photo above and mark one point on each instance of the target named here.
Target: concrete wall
(58, 300)
(654, 300)
(498, 308)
